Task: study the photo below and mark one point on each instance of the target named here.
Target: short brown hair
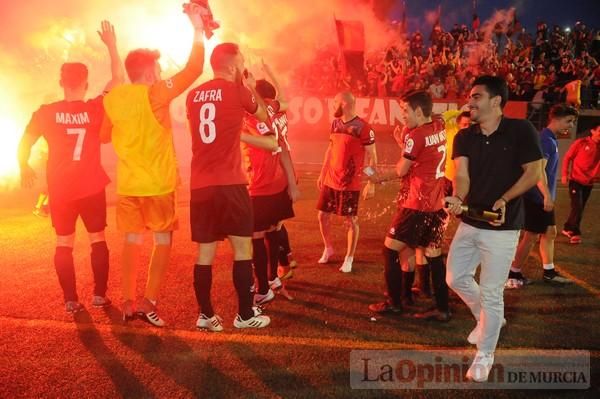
(419, 99)
(73, 74)
(563, 110)
(138, 61)
(222, 55)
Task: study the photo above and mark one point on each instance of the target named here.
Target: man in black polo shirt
(497, 159)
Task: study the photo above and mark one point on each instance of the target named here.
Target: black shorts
(92, 210)
(418, 228)
(537, 220)
(217, 212)
(342, 203)
(269, 210)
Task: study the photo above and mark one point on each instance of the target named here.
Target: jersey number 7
(80, 132)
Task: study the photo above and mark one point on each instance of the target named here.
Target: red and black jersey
(263, 168)
(72, 130)
(426, 147)
(347, 153)
(215, 111)
(279, 121)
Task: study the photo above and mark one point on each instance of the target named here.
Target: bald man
(340, 180)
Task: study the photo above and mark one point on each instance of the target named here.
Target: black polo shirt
(495, 166)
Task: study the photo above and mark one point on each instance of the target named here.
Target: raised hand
(107, 34)
(195, 12)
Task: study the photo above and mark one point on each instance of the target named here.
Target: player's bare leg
(353, 232)
(325, 228)
(547, 255)
(515, 276)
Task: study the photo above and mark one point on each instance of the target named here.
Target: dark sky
(561, 12)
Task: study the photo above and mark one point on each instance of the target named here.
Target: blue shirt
(550, 153)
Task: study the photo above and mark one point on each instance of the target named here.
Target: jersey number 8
(207, 128)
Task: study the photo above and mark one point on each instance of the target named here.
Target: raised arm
(283, 103)
(109, 38)
(261, 111)
(166, 90)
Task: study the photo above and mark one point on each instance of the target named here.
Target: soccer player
(497, 160)
(272, 187)
(339, 182)
(277, 106)
(420, 219)
(76, 179)
(539, 203)
(580, 169)
(454, 121)
(220, 206)
(139, 125)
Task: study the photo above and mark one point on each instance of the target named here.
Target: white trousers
(495, 251)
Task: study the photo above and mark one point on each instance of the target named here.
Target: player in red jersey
(220, 206)
(340, 179)
(277, 106)
(273, 189)
(420, 220)
(76, 179)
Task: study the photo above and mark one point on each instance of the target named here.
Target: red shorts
(92, 210)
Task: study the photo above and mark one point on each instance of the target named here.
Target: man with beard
(339, 182)
(497, 160)
(220, 206)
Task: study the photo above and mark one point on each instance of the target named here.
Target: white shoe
(214, 323)
(258, 321)
(260, 299)
(481, 366)
(275, 284)
(474, 335)
(327, 253)
(347, 265)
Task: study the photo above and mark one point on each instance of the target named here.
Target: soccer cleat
(275, 284)
(257, 321)
(385, 307)
(100, 301)
(73, 307)
(214, 323)
(575, 239)
(347, 265)
(481, 366)
(327, 254)
(148, 313)
(552, 276)
(474, 335)
(261, 299)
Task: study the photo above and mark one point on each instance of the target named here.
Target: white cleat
(258, 321)
(327, 253)
(214, 323)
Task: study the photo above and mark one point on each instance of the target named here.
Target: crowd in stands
(537, 68)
